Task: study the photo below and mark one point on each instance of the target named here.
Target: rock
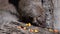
(6, 17)
(5, 5)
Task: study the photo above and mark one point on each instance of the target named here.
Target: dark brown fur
(34, 9)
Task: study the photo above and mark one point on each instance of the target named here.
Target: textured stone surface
(5, 5)
(57, 14)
